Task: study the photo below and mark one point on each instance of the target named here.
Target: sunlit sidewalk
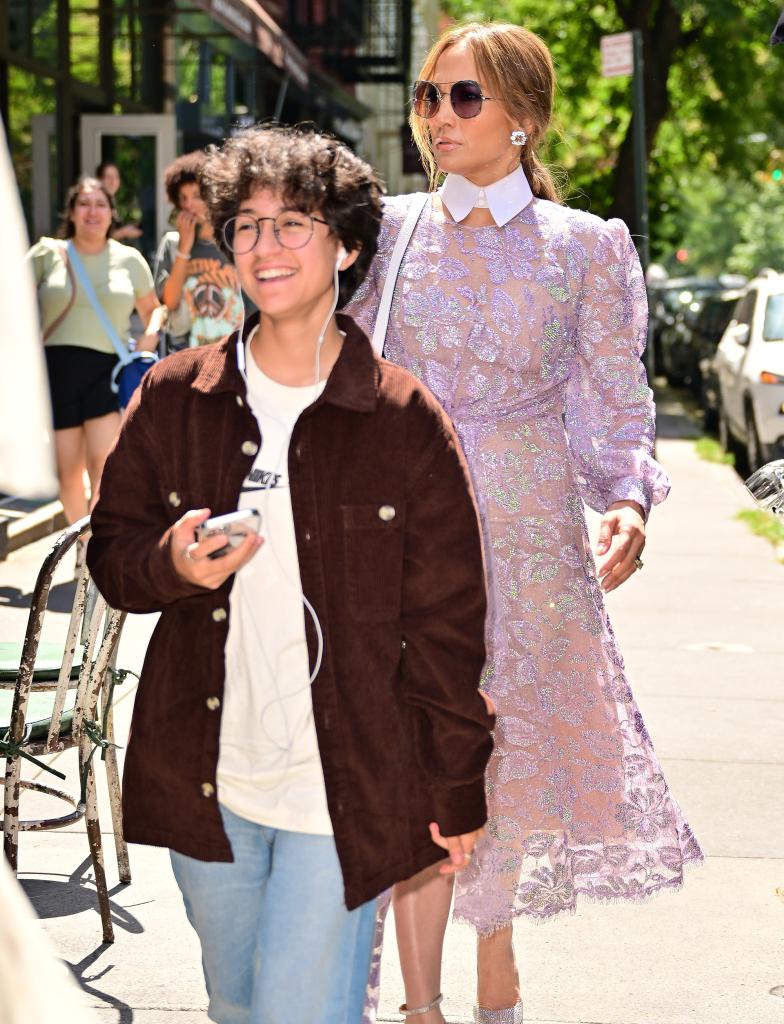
(700, 630)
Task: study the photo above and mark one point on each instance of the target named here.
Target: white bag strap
(382, 317)
(103, 317)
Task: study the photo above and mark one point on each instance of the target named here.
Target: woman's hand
(622, 539)
(147, 343)
(459, 848)
(190, 557)
(127, 231)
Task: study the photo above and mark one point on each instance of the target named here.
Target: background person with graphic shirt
(192, 276)
(324, 676)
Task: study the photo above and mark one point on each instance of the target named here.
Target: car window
(723, 316)
(773, 327)
(744, 309)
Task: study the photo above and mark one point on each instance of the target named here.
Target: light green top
(119, 275)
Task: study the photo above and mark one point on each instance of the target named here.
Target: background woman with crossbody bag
(80, 355)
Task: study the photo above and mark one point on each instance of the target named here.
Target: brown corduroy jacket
(403, 733)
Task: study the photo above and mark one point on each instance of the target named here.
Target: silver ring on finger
(638, 562)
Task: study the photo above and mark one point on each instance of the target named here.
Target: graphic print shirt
(211, 305)
(269, 768)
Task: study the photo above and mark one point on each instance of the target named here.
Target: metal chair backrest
(93, 627)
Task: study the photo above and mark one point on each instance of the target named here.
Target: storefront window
(33, 28)
(30, 99)
(188, 70)
(85, 41)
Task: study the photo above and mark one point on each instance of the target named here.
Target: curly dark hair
(311, 171)
(186, 170)
(87, 181)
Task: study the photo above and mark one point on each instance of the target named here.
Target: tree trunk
(662, 37)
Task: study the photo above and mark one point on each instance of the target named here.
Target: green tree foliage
(713, 112)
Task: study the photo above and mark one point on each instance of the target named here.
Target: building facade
(139, 81)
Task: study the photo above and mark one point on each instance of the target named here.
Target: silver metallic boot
(511, 1015)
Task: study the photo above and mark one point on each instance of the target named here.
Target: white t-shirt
(269, 768)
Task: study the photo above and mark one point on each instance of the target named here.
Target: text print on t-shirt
(263, 480)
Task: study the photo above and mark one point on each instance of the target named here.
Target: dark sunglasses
(466, 98)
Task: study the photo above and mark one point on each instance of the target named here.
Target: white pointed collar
(504, 198)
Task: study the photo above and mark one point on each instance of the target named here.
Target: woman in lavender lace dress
(527, 320)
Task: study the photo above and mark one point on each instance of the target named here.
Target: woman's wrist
(158, 320)
(183, 255)
(627, 503)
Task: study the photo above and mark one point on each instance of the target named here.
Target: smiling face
(284, 283)
(478, 147)
(91, 215)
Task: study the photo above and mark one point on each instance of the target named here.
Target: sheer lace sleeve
(610, 418)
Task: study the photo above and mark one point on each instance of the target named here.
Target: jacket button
(249, 447)
(299, 451)
(240, 402)
(308, 536)
(213, 703)
(219, 615)
(175, 499)
(207, 789)
(387, 513)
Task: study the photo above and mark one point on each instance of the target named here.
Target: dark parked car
(710, 326)
(667, 300)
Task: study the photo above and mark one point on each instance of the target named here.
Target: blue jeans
(278, 944)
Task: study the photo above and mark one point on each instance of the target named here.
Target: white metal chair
(62, 699)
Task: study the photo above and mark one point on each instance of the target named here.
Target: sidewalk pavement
(700, 630)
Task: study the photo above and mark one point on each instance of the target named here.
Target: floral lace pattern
(530, 336)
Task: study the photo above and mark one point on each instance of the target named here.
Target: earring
(518, 137)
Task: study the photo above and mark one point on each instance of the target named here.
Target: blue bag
(127, 376)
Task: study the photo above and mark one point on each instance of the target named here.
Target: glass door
(142, 146)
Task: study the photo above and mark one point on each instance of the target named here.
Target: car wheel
(710, 420)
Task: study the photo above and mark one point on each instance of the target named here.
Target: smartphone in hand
(234, 526)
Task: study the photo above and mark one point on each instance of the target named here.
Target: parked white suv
(749, 365)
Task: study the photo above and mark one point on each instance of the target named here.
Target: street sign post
(622, 55)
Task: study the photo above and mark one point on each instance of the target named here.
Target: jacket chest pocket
(373, 543)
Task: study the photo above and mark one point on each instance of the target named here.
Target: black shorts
(80, 384)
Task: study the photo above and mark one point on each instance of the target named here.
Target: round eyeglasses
(466, 98)
(291, 228)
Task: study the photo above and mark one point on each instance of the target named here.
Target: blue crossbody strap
(123, 354)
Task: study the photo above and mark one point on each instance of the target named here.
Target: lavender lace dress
(530, 336)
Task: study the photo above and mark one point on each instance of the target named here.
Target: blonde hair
(514, 64)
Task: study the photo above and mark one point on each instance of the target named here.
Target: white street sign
(617, 55)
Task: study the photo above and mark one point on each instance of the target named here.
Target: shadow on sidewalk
(61, 896)
(61, 597)
(124, 1011)
(677, 413)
